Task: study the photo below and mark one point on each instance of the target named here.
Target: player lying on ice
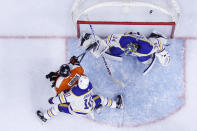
(134, 44)
(67, 76)
(80, 101)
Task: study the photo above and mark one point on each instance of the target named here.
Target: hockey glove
(52, 76)
(164, 57)
(74, 60)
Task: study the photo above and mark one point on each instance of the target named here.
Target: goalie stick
(150, 65)
(84, 53)
(106, 65)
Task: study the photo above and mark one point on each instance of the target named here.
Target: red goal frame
(80, 22)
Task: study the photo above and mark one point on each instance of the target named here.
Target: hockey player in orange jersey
(67, 76)
(80, 101)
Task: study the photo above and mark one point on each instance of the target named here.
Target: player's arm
(76, 72)
(73, 77)
(52, 76)
(61, 98)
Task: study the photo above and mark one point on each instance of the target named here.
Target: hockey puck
(151, 11)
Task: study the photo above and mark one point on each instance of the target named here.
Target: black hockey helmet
(64, 70)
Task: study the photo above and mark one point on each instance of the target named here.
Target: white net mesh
(131, 10)
(125, 11)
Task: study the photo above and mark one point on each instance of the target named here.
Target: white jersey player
(79, 101)
(133, 44)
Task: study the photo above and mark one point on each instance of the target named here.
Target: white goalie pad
(101, 48)
(158, 43)
(164, 57)
(86, 40)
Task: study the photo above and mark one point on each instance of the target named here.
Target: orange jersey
(65, 83)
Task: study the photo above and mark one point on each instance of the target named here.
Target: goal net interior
(120, 16)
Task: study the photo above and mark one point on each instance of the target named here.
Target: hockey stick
(81, 55)
(150, 65)
(84, 53)
(106, 65)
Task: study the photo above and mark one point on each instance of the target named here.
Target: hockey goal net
(120, 16)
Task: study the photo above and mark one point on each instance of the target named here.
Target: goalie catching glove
(87, 39)
(164, 57)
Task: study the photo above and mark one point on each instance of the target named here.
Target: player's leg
(101, 101)
(53, 111)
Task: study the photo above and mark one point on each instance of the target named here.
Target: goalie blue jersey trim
(78, 92)
(145, 47)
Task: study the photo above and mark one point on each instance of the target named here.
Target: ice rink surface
(37, 37)
(147, 98)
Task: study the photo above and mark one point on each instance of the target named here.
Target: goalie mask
(64, 70)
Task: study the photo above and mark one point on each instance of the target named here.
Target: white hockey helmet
(83, 82)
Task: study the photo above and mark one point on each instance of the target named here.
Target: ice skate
(41, 116)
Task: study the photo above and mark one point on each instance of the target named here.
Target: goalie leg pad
(86, 40)
(101, 47)
(158, 43)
